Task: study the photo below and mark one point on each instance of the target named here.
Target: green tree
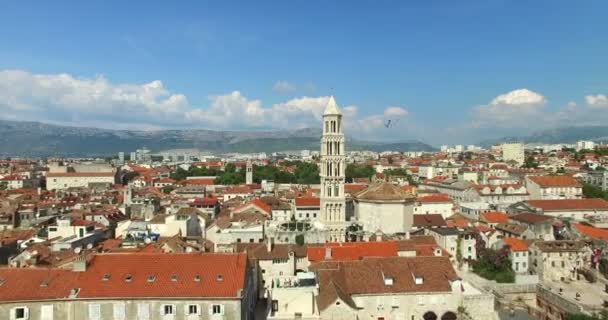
(129, 176)
(307, 173)
(359, 171)
(530, 163)
(167, 189)
(591, 191)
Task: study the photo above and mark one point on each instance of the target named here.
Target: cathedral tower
(249, 173)
(333, 167)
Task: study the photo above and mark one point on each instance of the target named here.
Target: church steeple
(332, 107)
(332, 172)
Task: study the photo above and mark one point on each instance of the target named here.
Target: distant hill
(557, 135)
(36, 139)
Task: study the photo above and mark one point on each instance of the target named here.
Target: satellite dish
(188, 250)
(77, 250)
(89, 246)
(147, 240)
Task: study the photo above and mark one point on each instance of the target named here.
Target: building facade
(332, 172)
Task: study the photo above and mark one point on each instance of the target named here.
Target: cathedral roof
(332, 107)
(383, 191)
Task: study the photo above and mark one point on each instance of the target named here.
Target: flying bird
(391, 123)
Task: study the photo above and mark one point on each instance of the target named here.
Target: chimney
(270, 244)
(80, 264)
(327, 253)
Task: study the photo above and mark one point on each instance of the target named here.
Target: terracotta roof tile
(555, 181)
(516, 244)
(569, 204)
(592, 232)
(352, 250)
(495, 217)
(308, 202)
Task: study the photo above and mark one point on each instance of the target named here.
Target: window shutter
(221, 309)
(46, 312)
(210, 309)
(143, 311)
(199, 310)
(94, 312)
(13, 315)
(119, 311)
(186, 309)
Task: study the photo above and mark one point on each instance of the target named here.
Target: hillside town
(511, 232)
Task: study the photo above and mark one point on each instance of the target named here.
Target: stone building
(384, 207)
(558, 260)
(332, 172)
(123, 286)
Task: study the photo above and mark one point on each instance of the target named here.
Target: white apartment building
(553, 187)
(65, 180)
(513, 152)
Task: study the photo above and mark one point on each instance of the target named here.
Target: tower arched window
(329, 191)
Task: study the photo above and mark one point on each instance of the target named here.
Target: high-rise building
(121, 156)
(513, 152)
(332, 172)
(249, 173)
(133, 156)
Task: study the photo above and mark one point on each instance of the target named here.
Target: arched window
(448, 316)
(429, 316)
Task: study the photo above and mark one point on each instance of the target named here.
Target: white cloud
(96, 101)
(284, 87)
(395, 112)
(597, 101)
(512, 109)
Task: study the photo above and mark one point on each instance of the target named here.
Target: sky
(443, 72)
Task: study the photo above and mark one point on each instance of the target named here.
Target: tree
(591, 191)
(359, 171)
(3, 185)
(167, 189)
(307, 173)
(129, 176)
(530, 163)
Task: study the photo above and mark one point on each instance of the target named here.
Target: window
(20, 313)
(193, 309)
(46, 312)
(168, 309)
(143, 311)
(275, 305)
(94, 311)
(119, 311)
(52, 229)
(216, 309)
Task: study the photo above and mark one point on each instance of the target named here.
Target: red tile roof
(79, 174)
(516, 244)
(429, 220)
(495, 217)
(434, 198)
(308, 202)
(26, 284)
(169, 281)
(569, 204)
(592, 232)
(555, 181)
(200, 182)
(352, 250)
(231, 267)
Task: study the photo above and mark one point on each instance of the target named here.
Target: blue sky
(450, 71)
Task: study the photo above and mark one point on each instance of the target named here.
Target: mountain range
(556, 135)
(36, 139)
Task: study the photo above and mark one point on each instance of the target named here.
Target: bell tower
(332, 172)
